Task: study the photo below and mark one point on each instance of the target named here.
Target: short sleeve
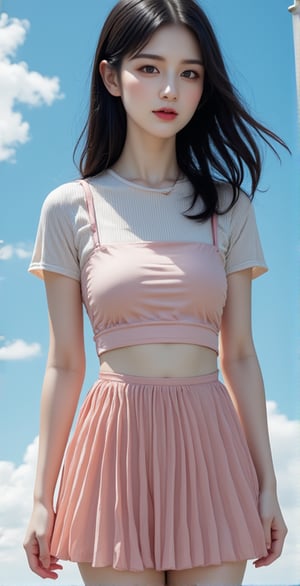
(244, 246)
(54, 248)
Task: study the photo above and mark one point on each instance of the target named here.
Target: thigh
(229, 574)
(110, 577)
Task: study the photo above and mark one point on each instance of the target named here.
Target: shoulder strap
(89, 200)
(214, 225)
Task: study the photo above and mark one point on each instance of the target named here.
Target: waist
(152, 381)
(160, 360)
(140, 333)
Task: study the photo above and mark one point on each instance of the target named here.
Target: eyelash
(194, 76)
(145, 69)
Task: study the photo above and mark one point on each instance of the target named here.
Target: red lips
(166, 110)
(166, 113)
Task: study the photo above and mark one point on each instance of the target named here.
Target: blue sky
(257, 41)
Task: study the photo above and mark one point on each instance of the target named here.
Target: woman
(168, 477)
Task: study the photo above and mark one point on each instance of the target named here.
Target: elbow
(225, 365)
(75, 371)
(70, 376)
(239, 355)
(68, 362)
(242, 365)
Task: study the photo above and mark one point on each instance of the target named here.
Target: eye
(190, 74)
(149, 69)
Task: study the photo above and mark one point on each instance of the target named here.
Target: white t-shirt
(126, 211)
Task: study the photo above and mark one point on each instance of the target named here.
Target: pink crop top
(152, 292)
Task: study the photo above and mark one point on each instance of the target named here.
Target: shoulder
(63, 205)
(225, 195)
(65, 196)
(63, 238)
(240, 215)
(239, 238)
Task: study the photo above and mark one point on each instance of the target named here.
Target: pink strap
(89, 200)
(214, 224)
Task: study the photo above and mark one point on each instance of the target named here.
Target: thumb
(44, 553)
(267, 531)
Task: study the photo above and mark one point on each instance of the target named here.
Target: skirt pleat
(157, 475)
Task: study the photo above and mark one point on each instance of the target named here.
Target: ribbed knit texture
(127, 212)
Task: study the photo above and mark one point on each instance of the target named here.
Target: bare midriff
(160, 360)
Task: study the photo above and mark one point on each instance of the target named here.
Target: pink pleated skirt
(157, 475)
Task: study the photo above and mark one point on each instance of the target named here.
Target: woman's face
(162, 85)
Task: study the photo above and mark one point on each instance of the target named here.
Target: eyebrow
(159, 58)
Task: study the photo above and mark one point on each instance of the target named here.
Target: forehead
(173, 39)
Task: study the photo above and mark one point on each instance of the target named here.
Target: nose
(169, 90)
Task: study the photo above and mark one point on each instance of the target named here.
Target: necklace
(169, 189)
(162, 190)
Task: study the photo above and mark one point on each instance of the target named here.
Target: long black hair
(220, 141)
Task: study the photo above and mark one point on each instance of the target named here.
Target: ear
(110, 78)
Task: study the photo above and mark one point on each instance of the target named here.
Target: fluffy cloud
(9, 251)
(16, 484)
(18, 85)
(19, 350)
(285, 440)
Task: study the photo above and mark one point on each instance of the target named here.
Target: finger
(274, 552)
(37, 568)
(36, 565)
(267, 522)
(42, 573)
(44, 553)
(266, 561)
(32, 551)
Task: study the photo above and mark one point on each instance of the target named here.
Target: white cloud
(22, 252)
(16, 483)
(19, 350)
(19, 85)
(285, 440)
(8, 251)
(13, 33)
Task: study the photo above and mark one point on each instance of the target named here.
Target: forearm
(244, 381)
(61, 390)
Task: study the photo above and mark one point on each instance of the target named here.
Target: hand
(37, 541)
(274, 527)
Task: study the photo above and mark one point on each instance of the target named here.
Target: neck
(150, 161)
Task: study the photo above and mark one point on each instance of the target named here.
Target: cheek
(132, 88)
(195, 96)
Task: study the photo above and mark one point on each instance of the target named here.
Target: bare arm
(60, 393)
(243, 379)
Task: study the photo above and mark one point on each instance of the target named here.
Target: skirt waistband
(160, 381)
